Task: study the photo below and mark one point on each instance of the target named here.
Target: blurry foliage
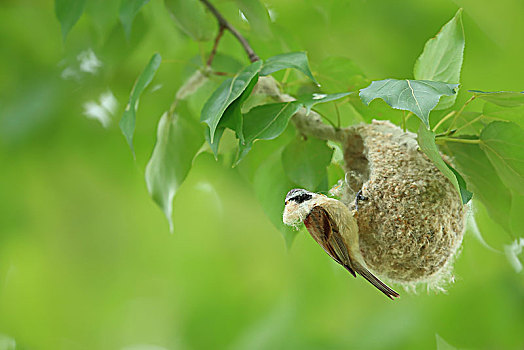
(86, 260)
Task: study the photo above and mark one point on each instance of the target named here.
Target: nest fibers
(412, 222)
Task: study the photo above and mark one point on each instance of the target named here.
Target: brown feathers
(326, 233)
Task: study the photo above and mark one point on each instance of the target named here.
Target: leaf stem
(326, 118)
(470, 122)
(441, 121)
(253, 57)
(286, 76)
(453, 139)
(459, 113)
(405, 120)
(338, 115)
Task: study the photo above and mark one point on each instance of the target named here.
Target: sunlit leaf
(417, 96)
(305, 161)
(226, 93)
(271, 186)
(483, 180)
(192, 18)
(442, 57)
(266, 122)
(232, 118)
(503, 143)
(309, 101)
(296, 60)
(127, 123)
(514, 114)
(128, 11)
(68, 12)
(501, 98)
(257, 16)
(426, 141)
(178, 140)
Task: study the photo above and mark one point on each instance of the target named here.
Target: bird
(333, 227)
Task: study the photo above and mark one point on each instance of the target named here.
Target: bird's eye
(287, 202)
(301, 198)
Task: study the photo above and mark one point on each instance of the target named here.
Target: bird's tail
(390, 293)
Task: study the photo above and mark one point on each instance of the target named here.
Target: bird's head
(299, 203)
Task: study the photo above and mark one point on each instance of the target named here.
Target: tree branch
(225, 24)
(215, 45)
(307, 124)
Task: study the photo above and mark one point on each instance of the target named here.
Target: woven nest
(412, 221)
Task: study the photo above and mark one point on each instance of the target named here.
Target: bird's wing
(325, 231)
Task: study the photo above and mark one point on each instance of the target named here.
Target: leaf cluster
(486, 147)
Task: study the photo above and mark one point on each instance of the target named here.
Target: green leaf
(191, 17)
(340, 74)
(483, 179)
(503, 143)
(104, 15)
(305, 162)
(464, 193)
(178, 140)
(226, 93)
(128, 11)
(426, 141)
(309, 101)
(266, 122)
(127, 123)
(231, 119)
(271, 186)
(68, 12)
(257, 16)
(514, 114)
(501, 98)
(417, 96)
(442, 57)
(296, 60)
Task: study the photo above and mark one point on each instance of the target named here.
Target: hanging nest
(412, 222)
(410, 217)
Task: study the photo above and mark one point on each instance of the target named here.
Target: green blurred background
(86, 257)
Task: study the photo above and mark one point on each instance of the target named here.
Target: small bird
(332, 225)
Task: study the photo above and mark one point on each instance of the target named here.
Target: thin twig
(221, 29)
(446, 117)
(224, 23)
(459, 113)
